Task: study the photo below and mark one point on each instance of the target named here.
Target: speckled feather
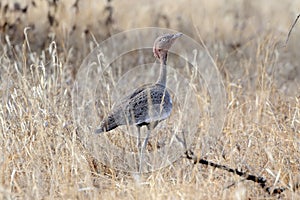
(149, 103)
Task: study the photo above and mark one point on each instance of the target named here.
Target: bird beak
(177, 35)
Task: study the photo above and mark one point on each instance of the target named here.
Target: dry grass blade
(43, 149)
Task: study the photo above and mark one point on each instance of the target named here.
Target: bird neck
(162, 79)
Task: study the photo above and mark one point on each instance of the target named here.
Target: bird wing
(124, 107)
(134, 108)
(132, 94)
(138, 90)
(159, 109)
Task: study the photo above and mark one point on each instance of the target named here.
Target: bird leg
(146, 139)
(138, 141)
(150, 127)
(144, 147)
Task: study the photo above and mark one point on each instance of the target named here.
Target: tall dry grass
(41, 155)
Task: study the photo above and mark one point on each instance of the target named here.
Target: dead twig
(257, 179)
(290, 31)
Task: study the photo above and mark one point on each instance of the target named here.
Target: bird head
(163, 43)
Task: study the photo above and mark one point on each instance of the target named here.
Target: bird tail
(106, 125)
(99, 130)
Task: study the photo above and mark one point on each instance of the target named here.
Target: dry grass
(42, 156)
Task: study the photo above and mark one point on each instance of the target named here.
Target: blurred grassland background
(40, 155)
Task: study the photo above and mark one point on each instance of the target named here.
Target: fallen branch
(257, 179)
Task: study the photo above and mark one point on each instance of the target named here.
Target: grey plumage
(148, 104)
